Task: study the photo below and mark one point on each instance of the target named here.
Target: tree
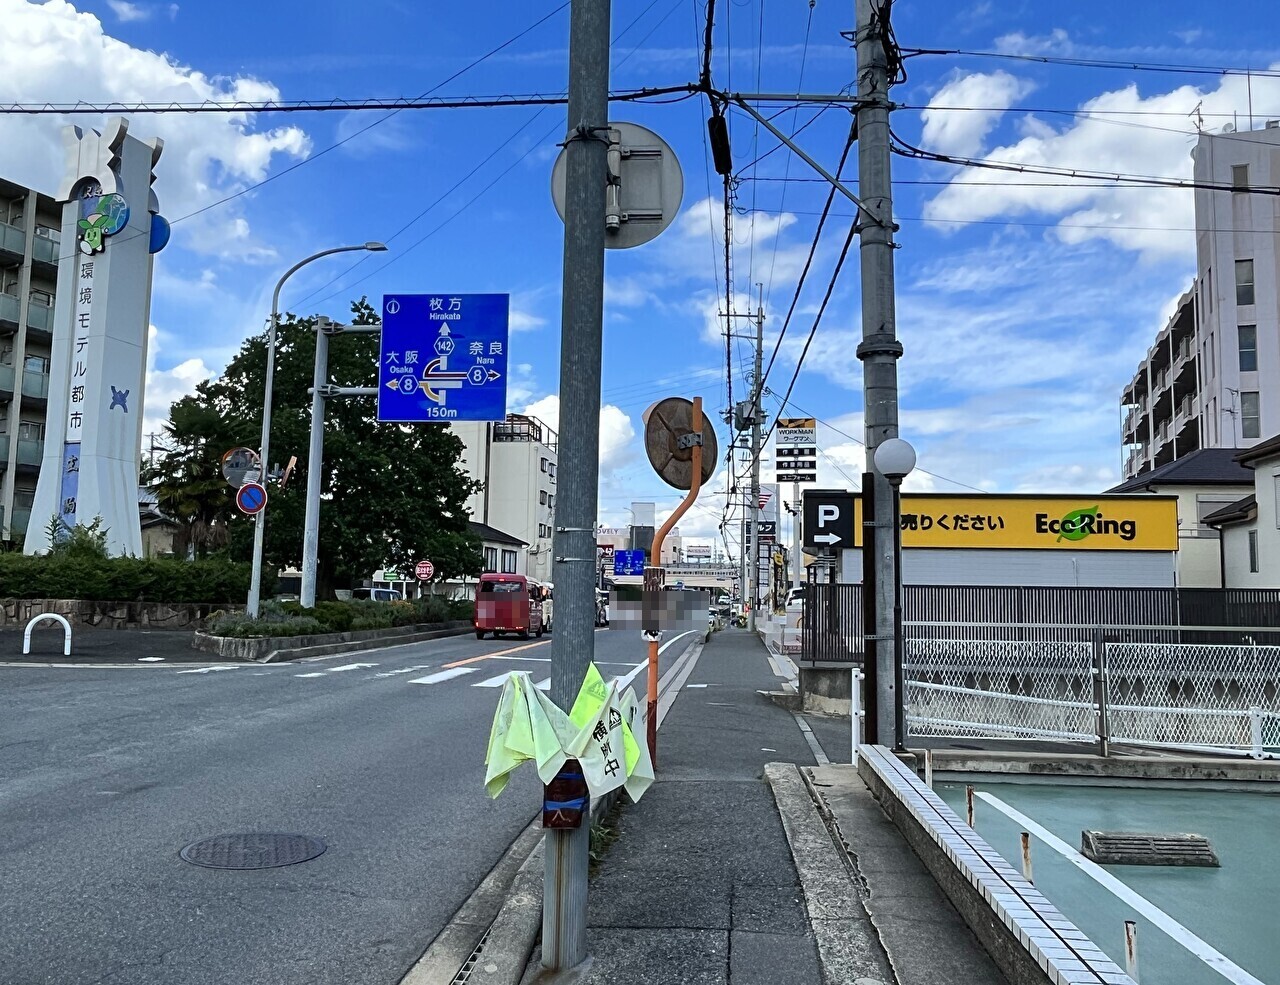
(391, 494)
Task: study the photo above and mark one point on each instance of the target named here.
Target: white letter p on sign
(827, 512)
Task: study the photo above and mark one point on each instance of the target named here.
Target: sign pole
(315, 455)
(652, 585)
(564, 912)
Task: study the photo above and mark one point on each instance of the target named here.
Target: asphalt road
(105, 774)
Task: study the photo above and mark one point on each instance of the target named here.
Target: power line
(1128, 66)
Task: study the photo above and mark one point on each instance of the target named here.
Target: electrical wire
(1128, 66)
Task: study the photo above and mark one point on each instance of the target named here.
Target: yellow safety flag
(597, 732)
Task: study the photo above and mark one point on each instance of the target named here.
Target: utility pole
(757, 403)
(880, 348)
(564, 909)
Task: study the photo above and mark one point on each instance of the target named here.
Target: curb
(790, 700)
(503, 951)
(273, 650)
(849, 948)
(285, 654)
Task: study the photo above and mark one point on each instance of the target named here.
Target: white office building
(515, 461)
(1211, 379)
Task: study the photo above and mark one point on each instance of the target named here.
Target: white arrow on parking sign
(826, 538)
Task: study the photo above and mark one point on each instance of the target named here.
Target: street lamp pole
(264, 446)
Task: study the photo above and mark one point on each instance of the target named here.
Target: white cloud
(1128, 133)
(164, 386)
(126, 11)
(616, 431)
(54, 53)
(524, 321)
(963, 133)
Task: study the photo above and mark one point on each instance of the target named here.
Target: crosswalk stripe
(444, 675)
(494, 681)
(317, 674)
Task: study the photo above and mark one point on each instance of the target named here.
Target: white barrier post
(66, 632)
(855, 713)
(1131, 948)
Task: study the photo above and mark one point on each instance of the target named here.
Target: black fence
(833, 617)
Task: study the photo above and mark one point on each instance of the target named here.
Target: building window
(1209, 277)
(36, 364)
(1250, 415)
(1253, 551)
(1248, 335)
(490, 559)
(1239, 177)
(551, 501)
(1244, 282)
(1277, 478)
(30, 431)
(543, 466)
(508, 562)
(542, 497)
(24, 499)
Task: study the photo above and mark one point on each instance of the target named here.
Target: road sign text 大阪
(443, 358)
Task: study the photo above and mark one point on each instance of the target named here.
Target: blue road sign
(251, 498)
(444, 357)
(628, 562)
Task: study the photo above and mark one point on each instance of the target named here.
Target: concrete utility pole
(880, 348)
(564, 906)
(757, 402)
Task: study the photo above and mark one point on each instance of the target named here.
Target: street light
(894, 459)
(260, 522)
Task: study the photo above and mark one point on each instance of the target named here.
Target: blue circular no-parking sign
(251, 498)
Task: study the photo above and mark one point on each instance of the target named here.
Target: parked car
(377, 594)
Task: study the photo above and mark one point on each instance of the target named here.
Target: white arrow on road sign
(826, 538)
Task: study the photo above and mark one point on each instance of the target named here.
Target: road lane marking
(319, 673)
(206, 670)
(395, 673)
(495, 681)
(444, 675)
(339, 670)
(1212, 957)
(490, 656)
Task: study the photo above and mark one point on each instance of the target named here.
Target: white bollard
(1131, 948)
(855, 712)
(66, 632)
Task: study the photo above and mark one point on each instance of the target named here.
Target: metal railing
(1220, 698)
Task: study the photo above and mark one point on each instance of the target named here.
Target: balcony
(40, 320)
(30, 453)
(1134, 463)
(13, 240)
(10, 306)
(1161, 380)
(21, 520)
(35, 386)
(46, 245)
(1187, 408)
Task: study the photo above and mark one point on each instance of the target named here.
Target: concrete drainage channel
(490, 938)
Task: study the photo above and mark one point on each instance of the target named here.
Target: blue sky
(1023, 309)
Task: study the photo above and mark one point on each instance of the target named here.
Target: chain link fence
(1197, 696)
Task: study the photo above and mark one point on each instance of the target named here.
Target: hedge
(122, 579)
(291, 619)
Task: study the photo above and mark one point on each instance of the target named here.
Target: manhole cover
(254, 850)
(1141, 848)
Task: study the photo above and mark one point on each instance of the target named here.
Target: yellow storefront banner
(1068, 523)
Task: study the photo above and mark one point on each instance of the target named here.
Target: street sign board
(768, 531)
(793, 431)
(443, 357)
(251, 498)
(425, 570)
(698, 550)
(628, 562)
(797, 476)
(605, 550)
(828, 519)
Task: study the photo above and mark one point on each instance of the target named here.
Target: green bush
(241, 627)
(83, 574)
(291, 619)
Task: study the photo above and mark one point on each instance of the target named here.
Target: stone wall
(108, 615)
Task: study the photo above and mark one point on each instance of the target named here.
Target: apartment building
(29, 250)
(1211, 379)
(516, 461)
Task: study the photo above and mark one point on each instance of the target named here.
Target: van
(508, 604)
(377, 594)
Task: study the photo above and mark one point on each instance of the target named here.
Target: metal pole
(564, 911)
(880, 348)
(757, 403)
(855, 712)
(1026, 858)
(899, 644)
(264, 443)
(796, 554)
(315, 465)
(1131, 949)
(651, 708)
(968, 806)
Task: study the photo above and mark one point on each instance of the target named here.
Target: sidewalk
(101, 646)
(727, 871)
(700, 887)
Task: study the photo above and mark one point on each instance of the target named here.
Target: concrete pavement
(105, 775)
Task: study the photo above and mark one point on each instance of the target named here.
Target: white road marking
(444, 675)
(819, 756)
(695, 685)
(206, 670)
(1212, 957)
(494, 681)
(402, 670)
(149, 660)
(339, 670)
(319, 673)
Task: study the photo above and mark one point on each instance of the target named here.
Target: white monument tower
(93, 433)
